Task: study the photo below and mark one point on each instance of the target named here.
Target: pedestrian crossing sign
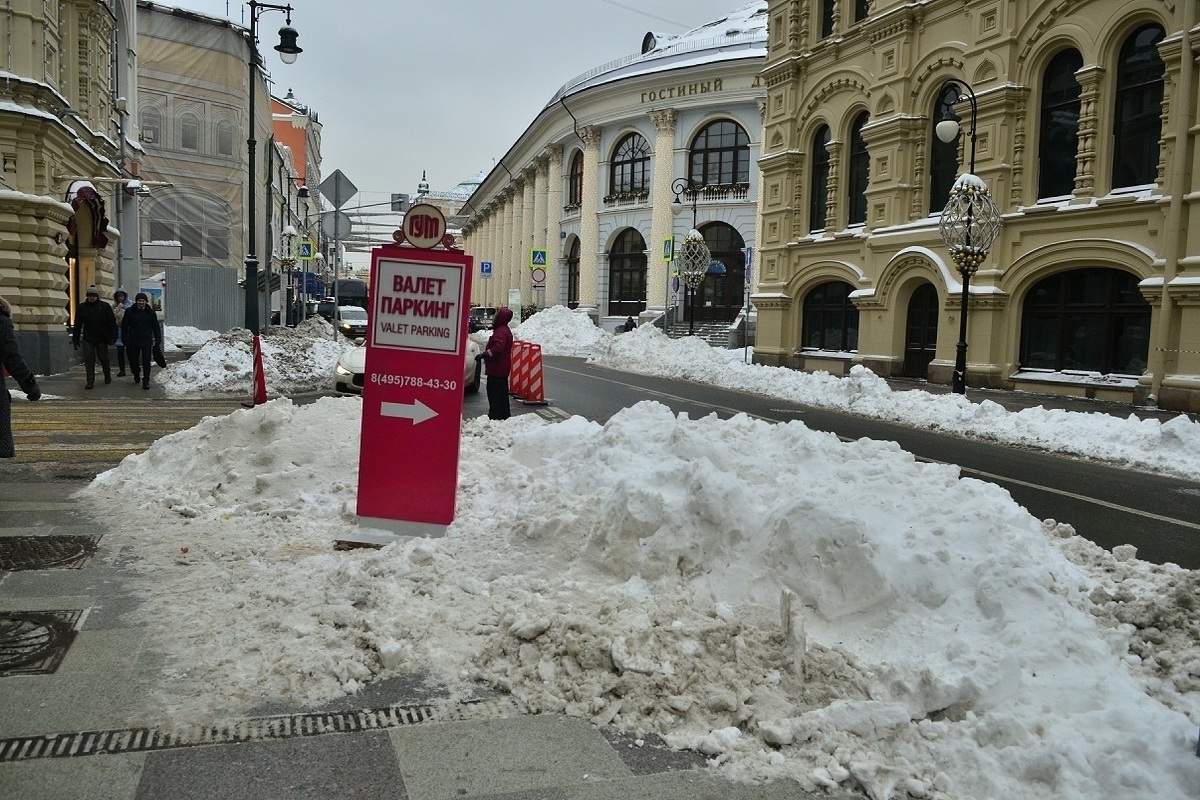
(304, 250)
(537, 258)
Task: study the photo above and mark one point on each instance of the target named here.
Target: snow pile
(1171, 447)
(791, 605)
(561, 332)
(185, 336)
(299, 359)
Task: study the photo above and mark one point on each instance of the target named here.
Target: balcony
(626, 200)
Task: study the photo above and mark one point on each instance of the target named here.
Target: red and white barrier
(525, 377)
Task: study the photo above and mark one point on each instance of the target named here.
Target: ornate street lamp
(694, 260)
(288, 50)
(969, 226)
(694, 256)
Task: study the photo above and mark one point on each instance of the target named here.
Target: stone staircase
(715, 333)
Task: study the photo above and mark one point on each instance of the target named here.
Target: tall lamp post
(969, 224)
(288, 50)
(694, 256)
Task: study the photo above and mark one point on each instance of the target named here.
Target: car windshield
(355, 314)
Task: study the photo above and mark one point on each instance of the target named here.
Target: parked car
(348, 374)
(480, 318)
(351, 322)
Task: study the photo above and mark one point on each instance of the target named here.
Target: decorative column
(527, 227)
(589, 220)
(517, 255)
(662, 221)
(833, 192)
(555, 291)
(505, 279)
(1090, 79)
(539, 226)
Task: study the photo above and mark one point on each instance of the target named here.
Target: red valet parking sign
(413, 389)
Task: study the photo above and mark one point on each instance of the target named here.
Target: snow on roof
(739, 34)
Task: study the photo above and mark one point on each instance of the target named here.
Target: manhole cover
(46, 552)
(35, 642)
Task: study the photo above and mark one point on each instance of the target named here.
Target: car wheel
(473, 386)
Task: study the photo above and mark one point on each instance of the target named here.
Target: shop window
(630, 169)
(818, 201)
(830, 320)
(1137, 126)
(1092, 320)
(1058, 143)
(860, 165)
(720, 156)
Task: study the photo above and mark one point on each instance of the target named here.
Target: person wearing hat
(141, 332)
(96, 328)
(10, 357)
(120, 303)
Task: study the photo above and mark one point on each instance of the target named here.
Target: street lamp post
(694, 256)
(288, 50)
(969, 225)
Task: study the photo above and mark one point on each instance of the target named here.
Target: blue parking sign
(485, 269)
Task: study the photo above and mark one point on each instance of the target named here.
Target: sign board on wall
(413, 389)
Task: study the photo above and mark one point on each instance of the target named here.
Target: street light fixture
(969, 224)
(288, 50)
(694, 256)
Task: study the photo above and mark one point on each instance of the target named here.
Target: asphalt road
(1109, 505)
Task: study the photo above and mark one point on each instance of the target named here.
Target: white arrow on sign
(418, 412)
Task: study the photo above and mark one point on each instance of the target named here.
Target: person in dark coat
(10, 356)
(96, 328)
(141, 333)
(497, 361)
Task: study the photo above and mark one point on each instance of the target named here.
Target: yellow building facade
(1083, 121)
(66, 152)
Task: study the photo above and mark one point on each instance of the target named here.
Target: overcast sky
(406, 86)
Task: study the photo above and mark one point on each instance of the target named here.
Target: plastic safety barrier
(525, 377)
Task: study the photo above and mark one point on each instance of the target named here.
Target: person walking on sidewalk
(497, 361)
(120, 303)
(10, 356)
(141, 333)
(96, 327)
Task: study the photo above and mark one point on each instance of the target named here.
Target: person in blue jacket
(16, 367)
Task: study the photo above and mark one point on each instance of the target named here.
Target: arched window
(151, 126)
(224, 138)
(627, 274)
(189, 132)
(630, 172)
(1058, 142)
(720, 155)
(575, 181)
(1086, 319)
(830, 319)
(573, 275)
(860, 165)
(1138, 121)
(827, 7)
(200, 224)
(943, 156)
(818, 199)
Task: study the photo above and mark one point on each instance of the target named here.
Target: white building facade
(579, 210)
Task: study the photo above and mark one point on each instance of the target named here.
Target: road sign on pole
(337, 189)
